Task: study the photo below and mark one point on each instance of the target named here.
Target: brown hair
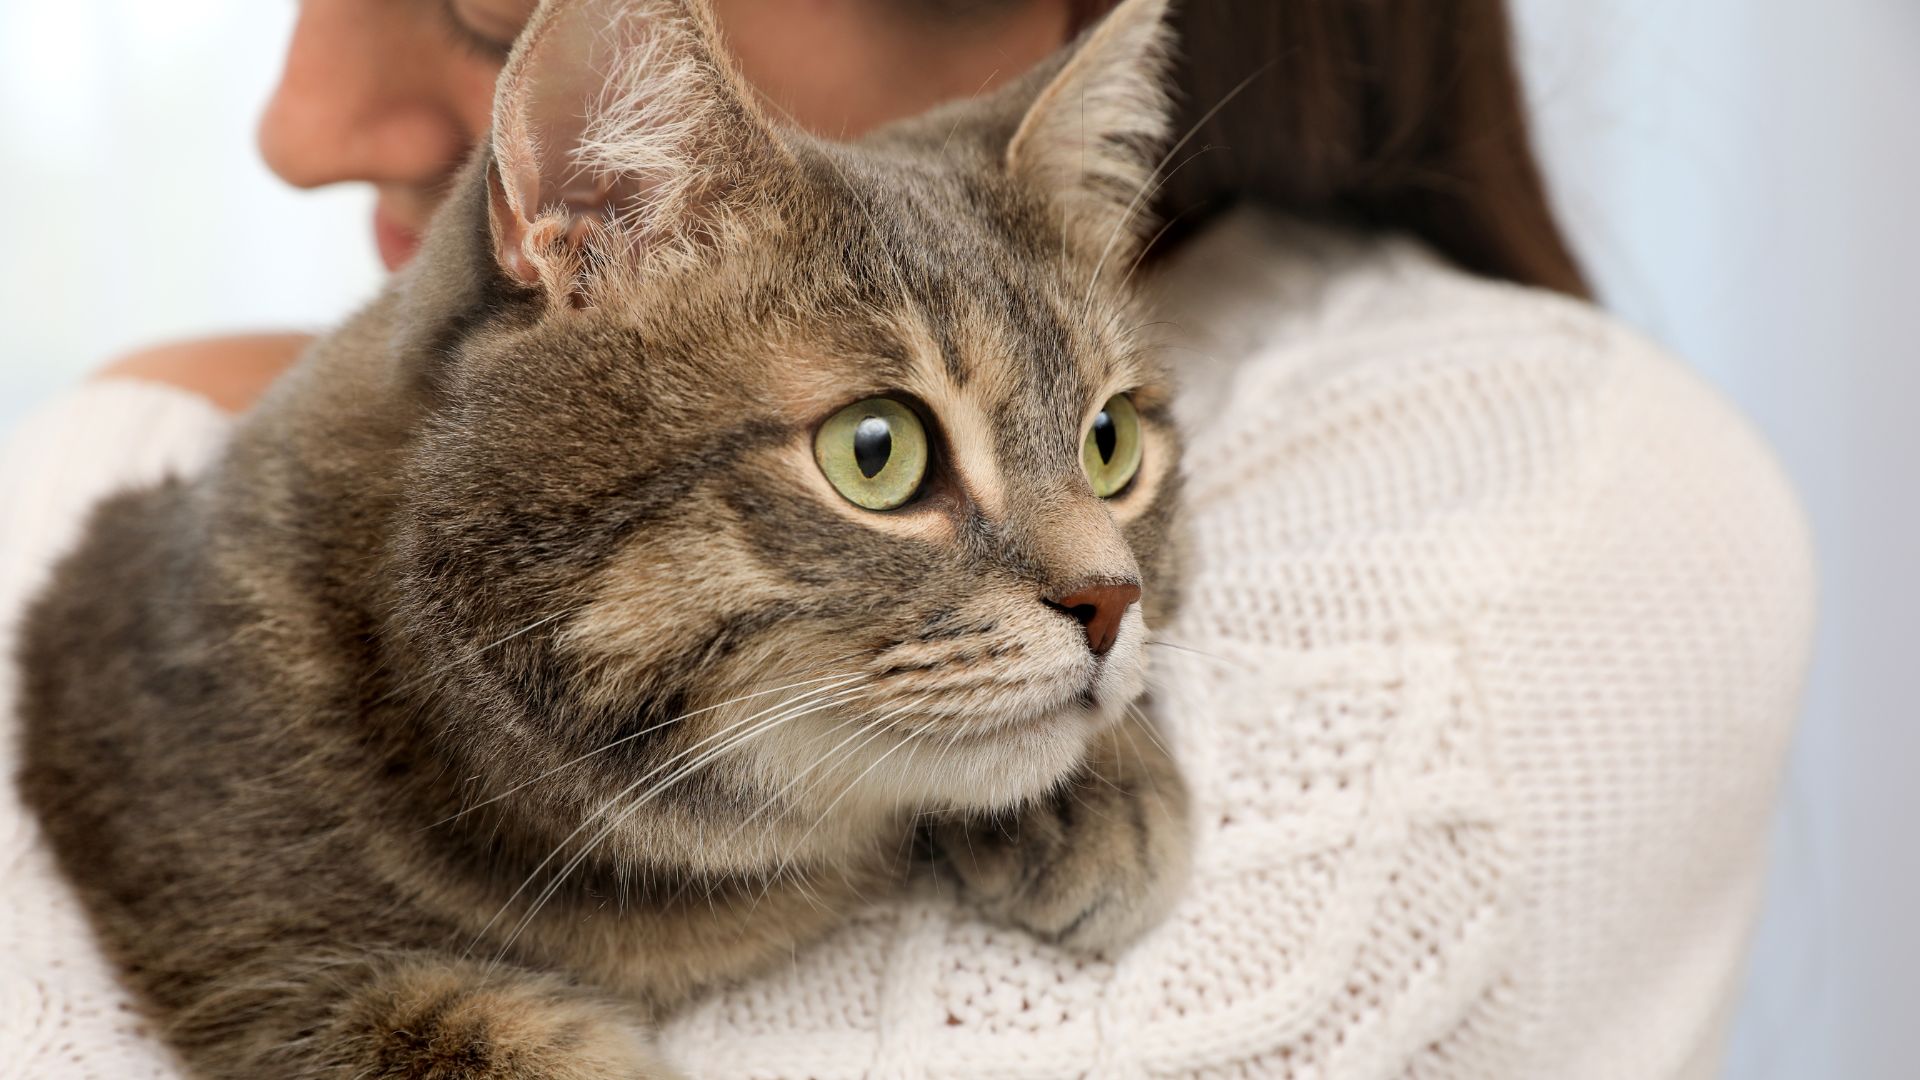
(1392, 114)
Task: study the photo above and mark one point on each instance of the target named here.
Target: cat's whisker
(871, 731)
(846, 676)
(946, 751)
(905, 740)
(955, 129)
(853, 194)
(1113, 735)
(1162, 643)
(560, 876)
(481, 651)
(1152, 187)
(804, 773)
(878, 726)
(620, 818)
(1133, 207)
(1147, 248)
(781, 710)
(727, 841)
(1147, 729)
(1089, 807)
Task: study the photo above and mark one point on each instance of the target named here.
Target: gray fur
(306, 730)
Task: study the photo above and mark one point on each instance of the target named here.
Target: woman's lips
(396, 242)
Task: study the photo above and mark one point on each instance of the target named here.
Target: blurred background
(1742, 177)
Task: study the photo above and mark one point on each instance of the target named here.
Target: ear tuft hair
(1092, 138)
(622, 136)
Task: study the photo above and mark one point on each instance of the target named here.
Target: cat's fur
(345, 743)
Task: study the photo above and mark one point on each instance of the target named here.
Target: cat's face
(852, 484)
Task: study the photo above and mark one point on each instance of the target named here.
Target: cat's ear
(1092, 138)
(621, 133)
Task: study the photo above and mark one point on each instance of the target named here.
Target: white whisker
(1162, 643)
(1147, 729)
(803, 773)
(783, 710)
(620, 818)
(877, 728)
(848, 790)
(481, 651)
(847, 676)
(1134, 206)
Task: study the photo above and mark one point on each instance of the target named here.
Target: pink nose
(1098, 608)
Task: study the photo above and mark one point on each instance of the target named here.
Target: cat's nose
(1098, 608)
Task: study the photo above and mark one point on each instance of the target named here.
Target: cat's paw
(1090, 866)
(434, 1021)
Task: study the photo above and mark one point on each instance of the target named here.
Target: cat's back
(115, 701)
(174, 673)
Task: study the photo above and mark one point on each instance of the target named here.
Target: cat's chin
(997, 768)
(1012, 751)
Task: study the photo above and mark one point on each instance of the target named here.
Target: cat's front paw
(432, 1019)
(1093, 864)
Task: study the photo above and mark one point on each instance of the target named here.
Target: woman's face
(394, 92)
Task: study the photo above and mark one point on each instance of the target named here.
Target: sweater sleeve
(1608, 587)
(62, 1014)
(1641, 676)
(105, 436)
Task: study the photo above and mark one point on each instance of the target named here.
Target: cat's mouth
(997, 758)
(983, 711)
(948, 731)
(970, 692)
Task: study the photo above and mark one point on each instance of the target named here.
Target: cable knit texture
(1497, 624)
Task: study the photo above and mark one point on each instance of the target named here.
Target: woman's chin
(395, 242)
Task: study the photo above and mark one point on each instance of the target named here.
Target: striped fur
(517, 673)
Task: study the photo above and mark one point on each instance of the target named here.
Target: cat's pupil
(1104, 436)
(872, 446)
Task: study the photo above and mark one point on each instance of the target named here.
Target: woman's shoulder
(1601, 558)
(1376, 388)
(103, 436)
(229, 371)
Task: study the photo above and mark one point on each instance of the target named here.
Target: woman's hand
(230, 371)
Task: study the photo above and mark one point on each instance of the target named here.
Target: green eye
(874, 452)
(1112, 453)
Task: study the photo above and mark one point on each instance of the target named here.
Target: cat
(711, 522)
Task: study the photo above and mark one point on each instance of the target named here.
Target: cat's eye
(1112, 452)
(874, 452)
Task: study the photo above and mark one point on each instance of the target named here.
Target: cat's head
(842, 472)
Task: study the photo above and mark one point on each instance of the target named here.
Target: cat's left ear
(1093, 137)
(622, 135)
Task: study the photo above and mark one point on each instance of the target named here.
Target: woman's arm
(106, 435)
(231, 372)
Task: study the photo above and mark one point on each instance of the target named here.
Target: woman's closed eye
(488, 26)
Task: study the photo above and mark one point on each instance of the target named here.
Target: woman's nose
(361, 97)
(1099, 609)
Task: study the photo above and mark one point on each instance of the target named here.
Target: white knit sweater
(1499, 619)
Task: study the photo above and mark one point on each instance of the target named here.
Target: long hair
(1391, 114)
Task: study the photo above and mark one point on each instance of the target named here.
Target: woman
(1500, 616)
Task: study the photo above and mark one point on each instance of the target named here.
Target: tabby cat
(709, 523)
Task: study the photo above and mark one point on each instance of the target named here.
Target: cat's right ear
(623, 136)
